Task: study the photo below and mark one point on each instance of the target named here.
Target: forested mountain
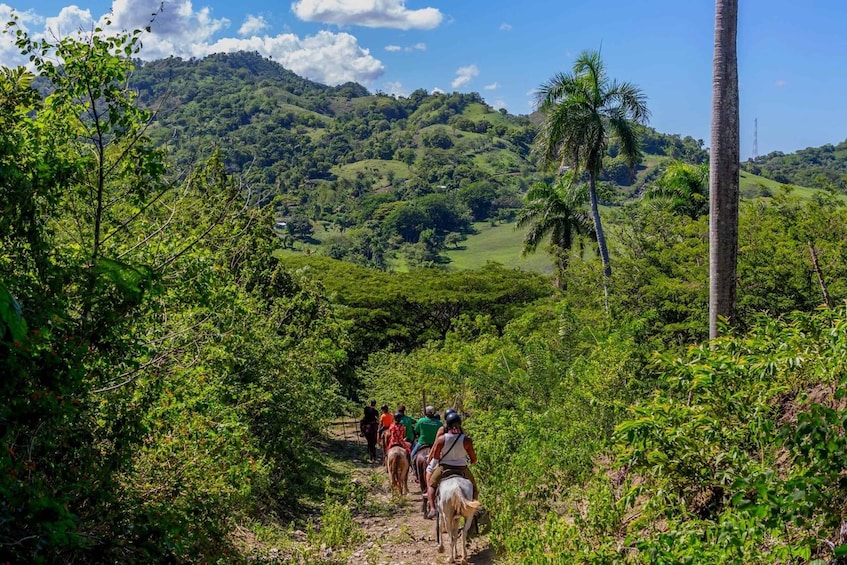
(384, 172)
(818, 167)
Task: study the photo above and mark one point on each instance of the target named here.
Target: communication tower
(755, 139)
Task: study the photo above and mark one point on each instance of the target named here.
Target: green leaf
(11, 316)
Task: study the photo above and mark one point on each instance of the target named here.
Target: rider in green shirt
(408, 422)
(426, 429)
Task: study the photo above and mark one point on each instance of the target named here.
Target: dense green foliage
(152, 349)
(818, 167)
(166, 367)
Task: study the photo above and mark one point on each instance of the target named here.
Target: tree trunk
(601, 237)
(723, 168)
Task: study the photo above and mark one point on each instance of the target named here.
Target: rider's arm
(468, 445)
(435, 452)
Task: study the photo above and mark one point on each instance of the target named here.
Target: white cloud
(415, 47)
(330, 58)
(436, 90)
(179, 30)
(253, 25)
(368, 13)
(10, 55)
(499, 103)
(505, 27)
(395, 88)
(464, 75)
(71, 20)
(492, 86)
(780, 83)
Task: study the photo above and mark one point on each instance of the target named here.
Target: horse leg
(465, 529)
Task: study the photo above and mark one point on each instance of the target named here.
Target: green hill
(388, 178)
(816, 167)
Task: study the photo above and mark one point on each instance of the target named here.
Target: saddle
(452, 472)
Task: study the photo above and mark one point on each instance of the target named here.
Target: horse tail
(464, 505)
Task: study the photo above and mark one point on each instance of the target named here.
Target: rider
(426, 430)
(397, 434)
(408, 422)
(385, 419)
(368, 427)
(453, 451)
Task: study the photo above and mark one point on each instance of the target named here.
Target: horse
(419, 465)
(369, 431)
(384, 438)
(398, 469)
(455, 500)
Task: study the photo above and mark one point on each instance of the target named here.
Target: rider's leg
(432, 479)
(469, 476)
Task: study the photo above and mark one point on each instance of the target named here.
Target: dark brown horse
(419, 464)
(369, 431)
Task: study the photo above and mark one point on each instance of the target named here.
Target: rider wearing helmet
(454, 451)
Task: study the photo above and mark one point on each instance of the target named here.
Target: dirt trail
(394, 527)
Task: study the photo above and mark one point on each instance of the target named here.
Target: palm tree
(683, 188)
(724, 157)
(582, 111)
(556, 211)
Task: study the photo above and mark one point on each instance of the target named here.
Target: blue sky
(792, 55)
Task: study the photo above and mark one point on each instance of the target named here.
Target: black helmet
(453, 419)
(450, 411)
(397, 417)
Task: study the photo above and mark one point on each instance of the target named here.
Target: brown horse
(398, 469)
(419, 465)
(384, 438)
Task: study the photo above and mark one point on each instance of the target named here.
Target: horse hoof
(440, 549)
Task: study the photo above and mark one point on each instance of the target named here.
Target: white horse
(455, 500)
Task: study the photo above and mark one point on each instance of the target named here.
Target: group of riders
(450, 450)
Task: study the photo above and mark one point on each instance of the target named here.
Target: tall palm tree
(682, 187)
(582, 111)
(556, 211)
(724, 157)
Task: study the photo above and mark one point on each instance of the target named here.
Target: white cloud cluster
(253, 25)
(180, 30)
(505, 27)
(464, 75)
(367, 13)
(415, 47)
(9, 53)
(492, 86)
(331, 58)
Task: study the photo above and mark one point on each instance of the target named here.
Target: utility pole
(756, 139)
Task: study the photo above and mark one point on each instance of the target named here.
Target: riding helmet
(453, 419)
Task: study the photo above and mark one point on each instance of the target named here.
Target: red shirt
(397, 436)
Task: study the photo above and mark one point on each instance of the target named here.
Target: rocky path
(394, 529)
